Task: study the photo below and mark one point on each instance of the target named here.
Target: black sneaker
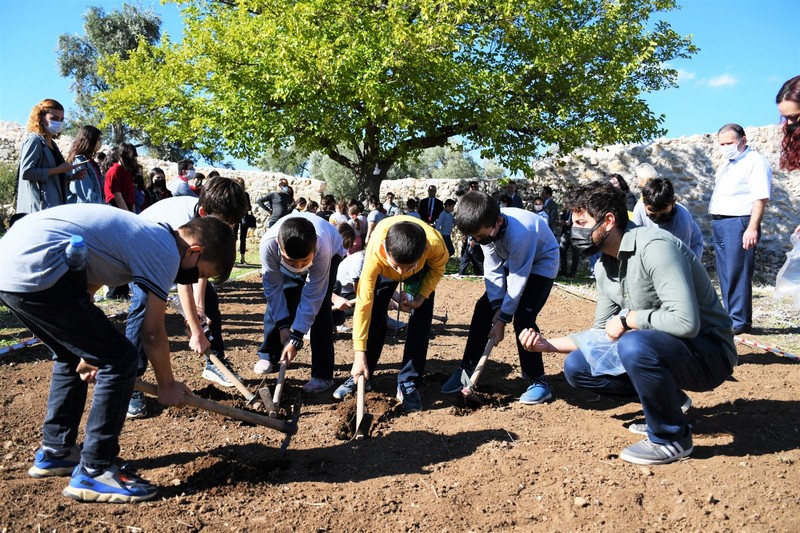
(407, 394)
(137, 407)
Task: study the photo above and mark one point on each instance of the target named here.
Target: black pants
(415, 352)
(322, 356)
(533, 299)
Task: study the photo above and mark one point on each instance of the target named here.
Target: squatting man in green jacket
(656, 300)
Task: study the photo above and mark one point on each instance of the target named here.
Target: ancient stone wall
(690, 162)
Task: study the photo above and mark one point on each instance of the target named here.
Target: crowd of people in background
(672, 331)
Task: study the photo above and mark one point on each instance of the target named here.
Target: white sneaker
(343, 329)
(262, 366)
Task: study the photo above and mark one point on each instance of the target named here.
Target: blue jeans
(735, 267)
(322, 355)
(133, 327)
(533, 299)
(657, 365)
(67, 321)
(415, 351)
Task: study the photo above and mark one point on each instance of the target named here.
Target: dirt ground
(503, 467)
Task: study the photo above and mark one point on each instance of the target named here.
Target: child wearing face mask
(519, 266)
(538, 208)
(403, 252)
(49, 292)
(221, 198)
(300, 257)
(42, 180)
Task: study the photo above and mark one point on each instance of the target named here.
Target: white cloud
(723, 80)
(685, 75)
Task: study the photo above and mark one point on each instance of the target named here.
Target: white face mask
(538, 207)
(54, 127)
(729, 151)
(295, 270)
(190, 174)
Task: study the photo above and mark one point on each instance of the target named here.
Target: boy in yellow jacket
(407, 252)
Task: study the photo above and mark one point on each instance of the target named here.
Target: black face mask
(582, 239)
(792, 127)
(489, 239)
(187, 276)
(663, 218)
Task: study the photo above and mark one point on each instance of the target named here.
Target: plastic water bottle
(77, 254)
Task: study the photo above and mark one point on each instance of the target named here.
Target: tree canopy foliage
(114, 33)
(370, 83)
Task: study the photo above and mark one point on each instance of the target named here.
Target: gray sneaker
(650, 453)
(453, 383)
(348, 388)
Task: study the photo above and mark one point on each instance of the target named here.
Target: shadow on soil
(401, 452)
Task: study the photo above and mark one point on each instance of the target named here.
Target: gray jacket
(37, 190)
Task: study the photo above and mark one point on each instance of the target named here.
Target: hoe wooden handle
(231, 412)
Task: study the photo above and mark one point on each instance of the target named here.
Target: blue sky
(748, 48)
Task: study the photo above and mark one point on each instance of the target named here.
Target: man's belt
(720, 217)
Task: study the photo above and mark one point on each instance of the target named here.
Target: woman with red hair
(43, 173)
(788, 100)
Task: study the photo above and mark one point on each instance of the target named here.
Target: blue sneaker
(453, 383)
(115, 485)
(214, 374)
(407, 394)
(538, 392)
(349, 387)
(48, 464)
(137, 407)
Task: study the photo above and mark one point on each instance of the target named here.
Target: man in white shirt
(741, 191)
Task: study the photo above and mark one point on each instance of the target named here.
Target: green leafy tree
(285, 160)
(339, 181)
(371, 83)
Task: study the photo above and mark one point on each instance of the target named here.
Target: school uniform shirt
(445, 222)
(682, 226)
(180, 187)
(120, 180)
(175, 211)
(329, 243)
(434, 257)
(32, 253)
(524, 246)
(349, 273)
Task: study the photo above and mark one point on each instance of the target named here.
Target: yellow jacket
(435, 257)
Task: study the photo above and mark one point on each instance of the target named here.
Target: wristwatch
(623, 317)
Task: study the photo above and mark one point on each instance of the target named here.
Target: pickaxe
(469, 383)
(290, 428)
